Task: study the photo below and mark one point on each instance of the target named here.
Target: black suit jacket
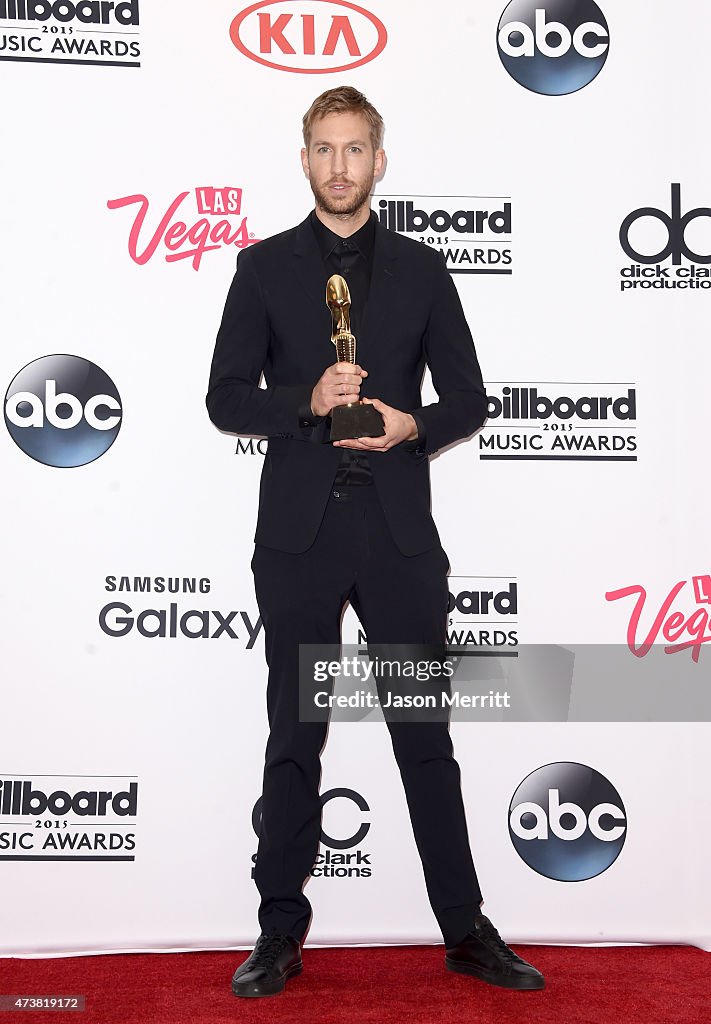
(276, 322)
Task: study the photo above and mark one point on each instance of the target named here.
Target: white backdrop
(184, 717)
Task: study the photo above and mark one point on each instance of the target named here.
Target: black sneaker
(274, 960)
(485, 955)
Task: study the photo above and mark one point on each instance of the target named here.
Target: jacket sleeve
(453, 363)
(235, 402)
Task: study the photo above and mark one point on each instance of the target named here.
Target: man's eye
(356, 149)
(322, 149)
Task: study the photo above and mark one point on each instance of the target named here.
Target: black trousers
(399, 600)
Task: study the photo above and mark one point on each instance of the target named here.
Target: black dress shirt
(352, 258)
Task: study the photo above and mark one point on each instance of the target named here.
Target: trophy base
(357, 420)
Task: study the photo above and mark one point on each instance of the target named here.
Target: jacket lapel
(311, 277)
(383, 283)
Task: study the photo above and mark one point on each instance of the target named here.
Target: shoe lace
(267, 949)
(488, 934)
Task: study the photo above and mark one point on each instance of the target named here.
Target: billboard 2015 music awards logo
(679, 630)
(481, 611)
(68, 817)
(171, 619)
(308, 37)
(219, 223)
(90, 32)
(472, 232)
(342, 857)
(653, 237)
(63, 411)
(560, 421)
(567, 822)
(553, 47)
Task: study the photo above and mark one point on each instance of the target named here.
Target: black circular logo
(553, 47)
(63, 411)
(335, 844)
(567, 822)
(675, 223)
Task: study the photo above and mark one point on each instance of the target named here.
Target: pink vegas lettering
(184, 242)
(680, 632)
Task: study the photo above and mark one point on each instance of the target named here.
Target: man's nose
(338, 162)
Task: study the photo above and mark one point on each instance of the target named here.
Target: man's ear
(379, 163)
(305, 161)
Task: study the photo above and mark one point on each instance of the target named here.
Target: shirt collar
(363, 239)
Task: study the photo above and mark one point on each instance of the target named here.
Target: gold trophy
(354, 419)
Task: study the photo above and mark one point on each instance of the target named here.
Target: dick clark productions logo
(567, 822)
(342, 858)
(63, 411)
(648, 225)
(553, 47)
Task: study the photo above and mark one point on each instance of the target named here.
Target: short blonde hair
(344, 99)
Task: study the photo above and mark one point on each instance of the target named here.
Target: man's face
(341, 164)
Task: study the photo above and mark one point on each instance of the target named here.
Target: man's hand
(399, 426)
(339, 385)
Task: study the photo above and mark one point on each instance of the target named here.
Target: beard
(360, 195)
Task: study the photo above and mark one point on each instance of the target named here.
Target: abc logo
(62, 410)
(676, 225)
(335, 844)
(553, 47)
(567, 822)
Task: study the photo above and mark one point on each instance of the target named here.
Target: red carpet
(634, 985)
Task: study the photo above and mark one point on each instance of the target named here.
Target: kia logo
(308, 37)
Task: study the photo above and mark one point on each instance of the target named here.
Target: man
(350, 520)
